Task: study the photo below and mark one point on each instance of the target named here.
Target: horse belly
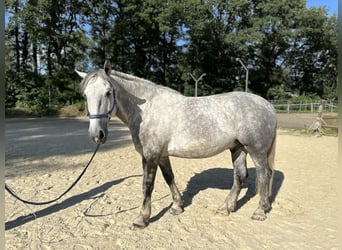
(200, 147)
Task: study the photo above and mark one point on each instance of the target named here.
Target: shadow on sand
(57, 137)
(64, 204)
(217, 178)
(222, 178)
(38, 140)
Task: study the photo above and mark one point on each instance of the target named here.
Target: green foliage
(276, 93)
(35, 100)
(286, 47)
(80, 105)
(44, 42)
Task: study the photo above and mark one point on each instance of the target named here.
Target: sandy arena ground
(44, 156)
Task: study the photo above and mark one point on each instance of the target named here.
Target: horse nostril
(101, 135)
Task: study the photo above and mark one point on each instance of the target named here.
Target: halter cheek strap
(103, 115)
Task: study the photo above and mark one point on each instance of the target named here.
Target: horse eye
(108, 94)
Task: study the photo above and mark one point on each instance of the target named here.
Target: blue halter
(104, 115)
(100, 116)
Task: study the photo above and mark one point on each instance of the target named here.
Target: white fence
(305, 107)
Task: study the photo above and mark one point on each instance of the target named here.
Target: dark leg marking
(177, 205)
(150, 170)
(239, 155)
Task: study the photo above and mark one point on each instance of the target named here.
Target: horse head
(98, 89)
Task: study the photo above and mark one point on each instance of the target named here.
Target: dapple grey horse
(165, 123)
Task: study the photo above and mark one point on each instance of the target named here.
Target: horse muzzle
(98, 132)
(100, 138)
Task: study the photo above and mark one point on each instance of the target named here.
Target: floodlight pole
(243, 65)
(197, 81)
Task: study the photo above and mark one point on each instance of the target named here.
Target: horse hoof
(176, 210)
(139, 223)
(222, 211)
(259, 215)
(137, 227)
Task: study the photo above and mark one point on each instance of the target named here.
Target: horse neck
(139, 90)
(132, 92)
(129, 95)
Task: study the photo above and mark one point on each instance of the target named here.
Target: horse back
(197, 127)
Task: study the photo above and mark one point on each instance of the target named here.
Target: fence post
(306, 106)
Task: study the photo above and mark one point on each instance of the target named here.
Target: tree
(139, 37)
(268, 36)
(313, 57)
(285, 46)
(45, 38)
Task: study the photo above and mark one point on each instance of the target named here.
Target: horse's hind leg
(239, 155)
(177, 205)
(264, 176)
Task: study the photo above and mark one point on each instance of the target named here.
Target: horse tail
(271, 158)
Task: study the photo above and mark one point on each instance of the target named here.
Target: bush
(276, 93)
(36, 100)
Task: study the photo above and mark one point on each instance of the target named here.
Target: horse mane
(146, 84)
(135, 85)
(131, 77)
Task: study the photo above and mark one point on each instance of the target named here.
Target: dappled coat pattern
(165, 123)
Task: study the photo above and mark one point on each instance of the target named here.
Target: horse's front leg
(150, 169)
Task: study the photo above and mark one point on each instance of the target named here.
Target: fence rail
(305, 107)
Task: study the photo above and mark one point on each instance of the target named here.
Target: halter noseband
(99, 116)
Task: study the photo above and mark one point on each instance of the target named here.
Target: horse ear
(107, 67)
(81, 74)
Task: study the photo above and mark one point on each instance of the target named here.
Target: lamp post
(196, 81)
(243, 65)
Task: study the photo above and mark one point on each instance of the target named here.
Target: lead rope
(9, 190)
